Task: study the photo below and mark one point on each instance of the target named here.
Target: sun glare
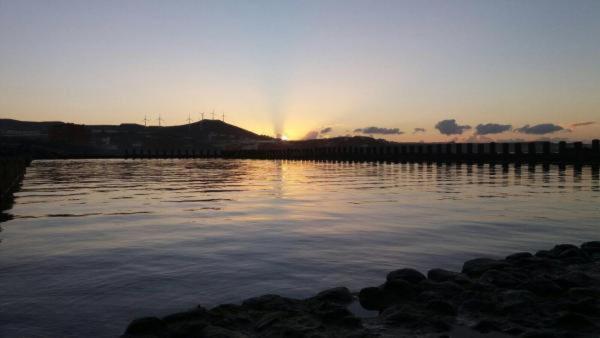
(284, 138)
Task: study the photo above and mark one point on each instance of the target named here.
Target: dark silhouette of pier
(548, 152)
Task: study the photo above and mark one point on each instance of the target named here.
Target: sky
(421, 70)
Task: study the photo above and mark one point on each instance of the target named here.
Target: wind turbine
(146, 120)
(159, 120)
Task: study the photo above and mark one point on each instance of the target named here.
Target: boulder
(441, 275)
(409, 275)
(336, 295)
(146, 326)
(476, 267)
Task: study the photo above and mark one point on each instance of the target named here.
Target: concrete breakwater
(552, 293)
(546, 152)
(12, 170)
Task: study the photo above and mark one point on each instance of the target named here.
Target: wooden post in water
(518, 149)
(469, 149)
(546, 149)
(492, 150)
(596, 146)
(562, 148)
(531, 150)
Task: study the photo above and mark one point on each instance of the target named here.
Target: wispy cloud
(379, 130)
(419, 130)
(311, 135)
(326, 130)
(582, 124)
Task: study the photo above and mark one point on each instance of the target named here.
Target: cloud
(419, 130)
(492, 128)
(540, 129)
(582, 124)
(311, 135)
(378, 130)
(450, 127)
(326, 130)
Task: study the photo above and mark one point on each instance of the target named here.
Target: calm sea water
(97, 243)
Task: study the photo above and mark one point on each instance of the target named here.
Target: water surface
(96, 243)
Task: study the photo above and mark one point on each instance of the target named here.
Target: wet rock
(559, 249)
(478, 266)
(588, 306)
(441, 307)
(541, 286)
(372, 298)
(401, 315)
(591, 247)
(269, 302)
(441, 275)
(486, 326)
(583, 292)
(338, 295)
(195, 314)
(574, 321)
(221, 332)
(518, 256)
(409, 275)
(499, 278)
(573, 279)
(149, 326)
(399, 289)
(477, 306)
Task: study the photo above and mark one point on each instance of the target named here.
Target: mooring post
(546, 148)
(449, 149)
(480, 149)
(458, 149)
(438, 148)
(578, 148)
(531, 148)
(562, 148)
(492, 150)
(596, 146)
(518, 149)
(469, 149)
(505, 149)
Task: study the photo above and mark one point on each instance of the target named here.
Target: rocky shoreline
(552, 293)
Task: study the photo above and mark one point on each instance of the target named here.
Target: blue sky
(302, 66)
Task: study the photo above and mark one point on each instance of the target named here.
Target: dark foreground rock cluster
(552, 293)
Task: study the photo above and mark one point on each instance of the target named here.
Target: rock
(573, 279)
(477, 306)
(441, 275)
(269, 302)
(146, 326)
(574, 321)
(399, 289)
(499, 278)
(478, 266)
(195, 314)
(372, 298)
(409, 275)
(486, 326)
(441, 307)
(269, 319)
(398, 315)
(518, 256)
(591, 246)
(337, 295)
(220, 332)
(588, 306)
(541, 286)
(583, 292)
(444, 290)
(559, 249)
(516, 301)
